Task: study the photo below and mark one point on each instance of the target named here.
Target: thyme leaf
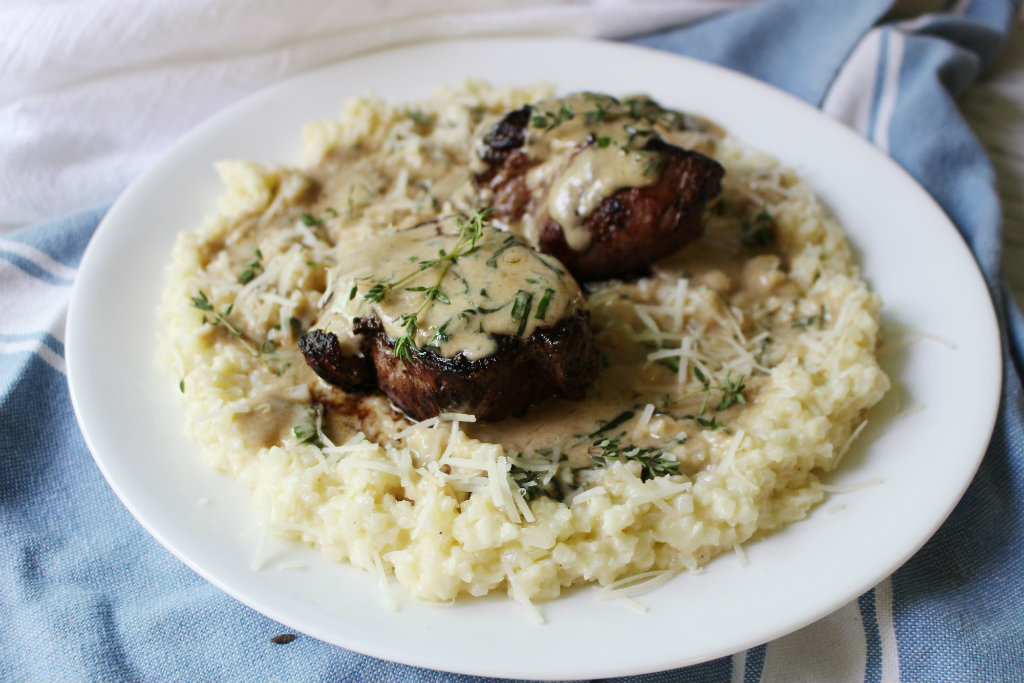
(311, 221)
(252, 268)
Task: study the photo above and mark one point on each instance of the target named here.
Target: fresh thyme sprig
(652, 461)
(730, 393)
(220, 319)
(470, 229)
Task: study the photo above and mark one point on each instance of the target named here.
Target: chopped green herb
(311, 221)
(621, 418)
(420, 118)
(652, 461)
(442, 334)
(521, 309)
(542, 305)
(550, 120)
(309, 432)
(759, 233)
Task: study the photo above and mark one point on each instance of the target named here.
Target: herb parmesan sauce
(463, 294)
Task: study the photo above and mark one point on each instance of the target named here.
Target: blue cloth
(87, 594)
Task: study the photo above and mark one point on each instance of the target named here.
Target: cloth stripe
(845, 100)
(38, 347)
(31, 259)
(754, 664)
(50, 341)
(873, 658)
(890, 83)
(887, 631)
(739, 667)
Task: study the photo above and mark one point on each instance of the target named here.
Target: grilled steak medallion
(473, 321)
(589, 180)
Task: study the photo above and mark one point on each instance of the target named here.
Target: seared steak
(632, 225)
(475, 321)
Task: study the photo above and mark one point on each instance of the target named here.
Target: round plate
(921, 442)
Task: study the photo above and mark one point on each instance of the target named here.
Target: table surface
(995, 110)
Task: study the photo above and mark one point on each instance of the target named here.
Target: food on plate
(592, 181)
(681, 402)
(454, 316)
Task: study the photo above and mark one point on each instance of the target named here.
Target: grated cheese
(588, 494)
(637, 584)
(643, 421)
(740, 555)
(517, 593)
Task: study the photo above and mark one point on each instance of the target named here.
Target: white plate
(910, 253)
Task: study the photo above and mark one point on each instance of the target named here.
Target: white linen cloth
(93, 91)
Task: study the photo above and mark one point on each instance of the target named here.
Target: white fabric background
(92, 91)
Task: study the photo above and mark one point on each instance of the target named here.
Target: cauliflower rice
(732, 376)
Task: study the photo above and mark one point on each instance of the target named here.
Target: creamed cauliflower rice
(732, 376)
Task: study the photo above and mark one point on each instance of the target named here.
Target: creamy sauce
(592, 176)
(492, 285)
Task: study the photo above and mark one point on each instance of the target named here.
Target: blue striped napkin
(87, 594)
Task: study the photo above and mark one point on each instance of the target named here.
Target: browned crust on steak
(559, 359)
(324, 354)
